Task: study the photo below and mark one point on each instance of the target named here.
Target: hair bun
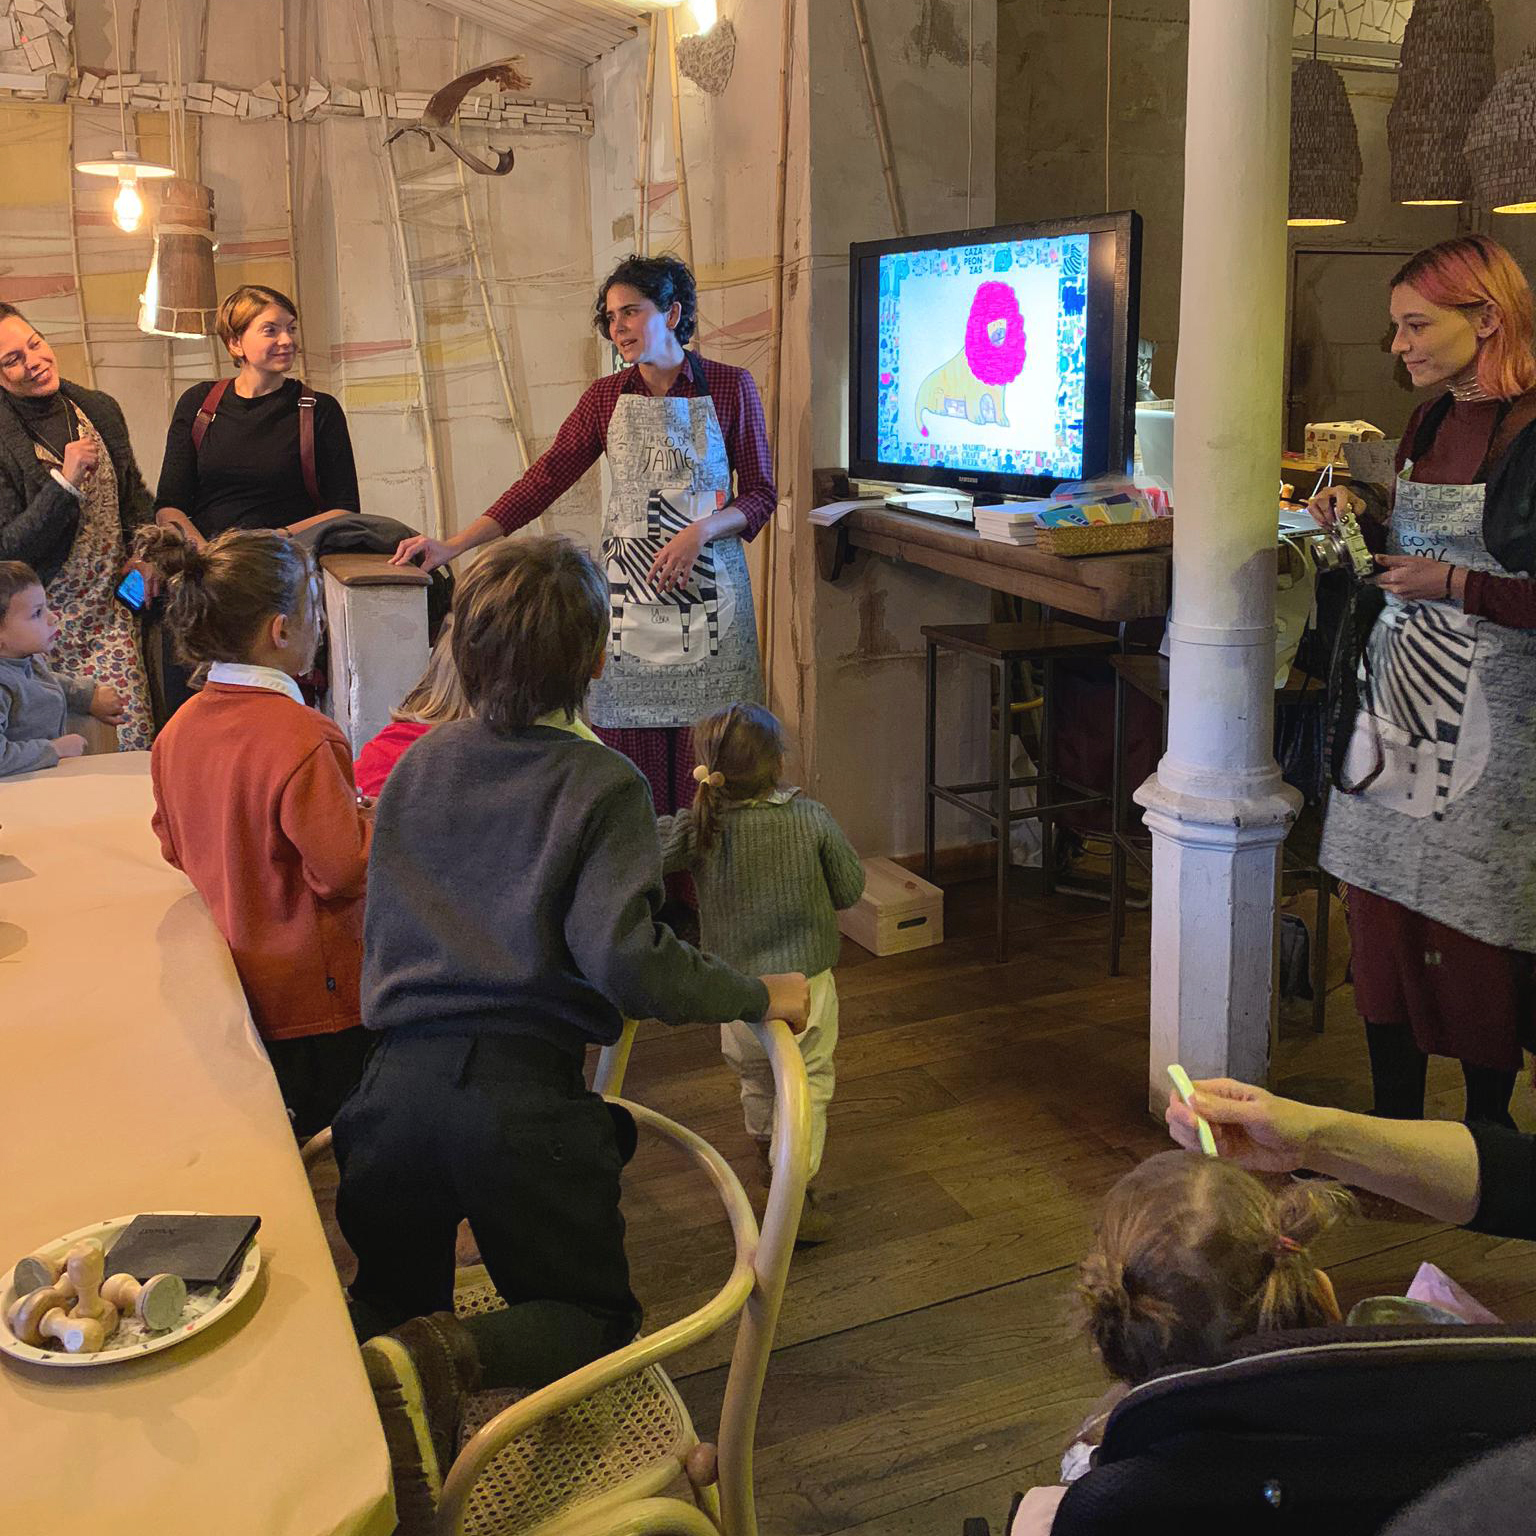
(170, 551)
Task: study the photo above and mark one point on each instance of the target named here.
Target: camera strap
(1351, 657)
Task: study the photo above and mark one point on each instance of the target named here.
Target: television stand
(955, 505)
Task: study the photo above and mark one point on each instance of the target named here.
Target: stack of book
(1008, 523)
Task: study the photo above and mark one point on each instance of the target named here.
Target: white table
(133, 1080)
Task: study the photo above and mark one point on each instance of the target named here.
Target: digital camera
(1340, 548)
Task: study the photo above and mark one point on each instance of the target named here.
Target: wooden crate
(898, 911)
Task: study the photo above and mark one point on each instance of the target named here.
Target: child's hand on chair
(789, 998)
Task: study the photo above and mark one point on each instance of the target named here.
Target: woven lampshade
(1447, 72)
(1501, 143)
(181, 296)
(1325, 147)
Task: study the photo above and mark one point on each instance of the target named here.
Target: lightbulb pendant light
(1501, 143)
(128, 205)
(1447, 72)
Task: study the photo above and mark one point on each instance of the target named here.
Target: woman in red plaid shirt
(692, 475)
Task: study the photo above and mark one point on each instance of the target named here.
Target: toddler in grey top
(35, 702)
(773, 869)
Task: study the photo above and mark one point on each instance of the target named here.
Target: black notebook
(203, 1250)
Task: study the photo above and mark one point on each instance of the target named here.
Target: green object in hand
(1186, 1091)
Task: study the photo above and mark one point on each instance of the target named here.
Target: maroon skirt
(1462, 997)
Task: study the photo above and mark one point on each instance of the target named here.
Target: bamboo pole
(680, 160)
(877, 110)
(74, 239)
(503, 369)
(363, 22)
(776, 357)
(288, 183)
(643, 180)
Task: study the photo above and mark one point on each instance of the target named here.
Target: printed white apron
(672, 656)
(1446, 738)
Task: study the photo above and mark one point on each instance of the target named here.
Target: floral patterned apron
(99, 638)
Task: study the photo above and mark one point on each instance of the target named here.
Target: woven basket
(1447, 72)
(1501, 143)
(1106, 538)
(1325, 147)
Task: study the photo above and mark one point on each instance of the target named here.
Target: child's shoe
(815, 1223)
(421, 1373)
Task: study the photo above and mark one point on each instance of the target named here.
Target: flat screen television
(995, 361)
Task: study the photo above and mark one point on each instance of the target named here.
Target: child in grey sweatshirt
(35, 702)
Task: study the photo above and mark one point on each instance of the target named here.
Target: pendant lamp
(1446, 74)
(181, 296)
(128, 205)
(1501, 143)
(1325, 147)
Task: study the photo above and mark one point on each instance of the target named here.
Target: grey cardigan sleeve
(840, 864)
(638, 964)
(677, 842)
(39, 531)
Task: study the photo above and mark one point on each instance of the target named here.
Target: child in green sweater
(772, 870)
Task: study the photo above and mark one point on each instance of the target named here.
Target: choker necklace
(1470, 391)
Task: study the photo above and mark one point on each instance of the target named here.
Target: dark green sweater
(513, 889)
(771, 885)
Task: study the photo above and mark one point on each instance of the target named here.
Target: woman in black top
(248, 470)
(70, 498)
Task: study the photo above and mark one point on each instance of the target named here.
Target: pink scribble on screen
(995, 343)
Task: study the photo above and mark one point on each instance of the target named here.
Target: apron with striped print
(672, 656)
(1444, 744)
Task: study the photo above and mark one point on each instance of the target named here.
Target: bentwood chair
(607, 1450)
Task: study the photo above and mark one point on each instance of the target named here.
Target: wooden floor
(929, 1363)
(928, 1359)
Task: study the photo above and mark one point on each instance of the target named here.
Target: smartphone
(130, 592)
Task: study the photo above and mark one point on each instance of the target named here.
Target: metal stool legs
(930, 758)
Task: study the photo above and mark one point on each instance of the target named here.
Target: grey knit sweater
(35, 703)
(772, 884)
(513, 887)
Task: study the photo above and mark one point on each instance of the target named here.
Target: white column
(1217, 807)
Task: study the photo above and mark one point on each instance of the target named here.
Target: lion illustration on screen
(971, 385)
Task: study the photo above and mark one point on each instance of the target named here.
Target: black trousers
(315, 1073)
(1398, 1073)
(502, 1131)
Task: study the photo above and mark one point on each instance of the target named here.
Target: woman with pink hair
(1432, 816)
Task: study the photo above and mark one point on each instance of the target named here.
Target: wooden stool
(1148, 676)
(1001, 646)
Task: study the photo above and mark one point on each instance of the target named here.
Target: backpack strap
(207, 410)
(307, 444)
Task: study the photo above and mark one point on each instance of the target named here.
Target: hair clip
(702, 775)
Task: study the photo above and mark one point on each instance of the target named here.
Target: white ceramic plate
(131, 1340)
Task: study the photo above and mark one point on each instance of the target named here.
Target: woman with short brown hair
(259, 450)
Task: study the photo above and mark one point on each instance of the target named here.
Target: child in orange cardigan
(255, 801)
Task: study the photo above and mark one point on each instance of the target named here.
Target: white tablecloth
(133, 1080)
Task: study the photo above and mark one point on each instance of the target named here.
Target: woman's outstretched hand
(427, 553)
(1254, 1128)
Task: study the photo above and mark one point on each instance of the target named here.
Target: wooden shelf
(1116, 588)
